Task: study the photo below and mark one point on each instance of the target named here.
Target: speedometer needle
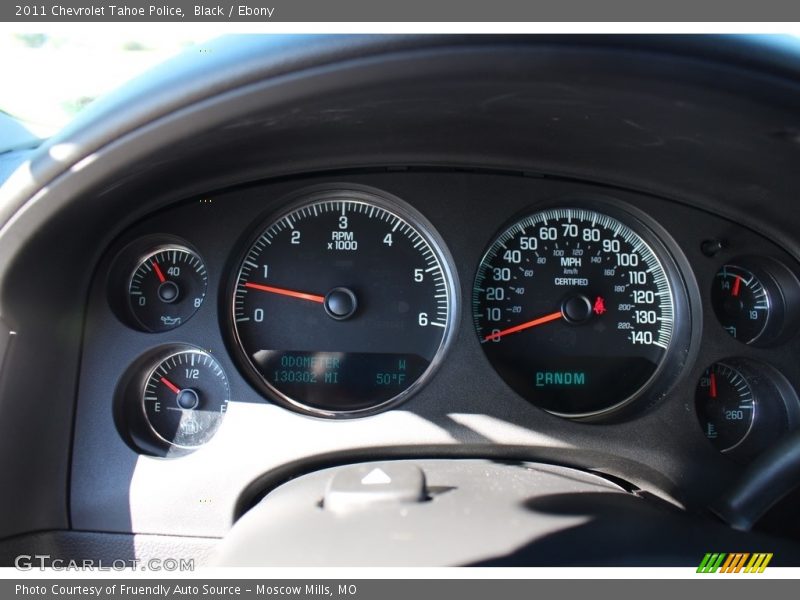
(285, 292)
(527, 325)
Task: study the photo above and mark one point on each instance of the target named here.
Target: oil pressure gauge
(167, 287)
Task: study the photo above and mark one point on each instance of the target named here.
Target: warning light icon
(599, 306)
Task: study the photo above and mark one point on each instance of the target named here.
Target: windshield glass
(48, 78)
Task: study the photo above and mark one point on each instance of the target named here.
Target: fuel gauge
(185, 397)
(172, 400)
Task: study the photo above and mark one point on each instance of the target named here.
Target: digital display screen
(339, 380)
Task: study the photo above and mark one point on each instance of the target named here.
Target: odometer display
(343, 304)
(574, 310)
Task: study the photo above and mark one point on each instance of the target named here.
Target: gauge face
(725, 406)
(741, 303)
(343, 304)
(167, 287)
(574, 310)
(185, 397)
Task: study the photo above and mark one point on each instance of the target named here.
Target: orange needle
(285, 292)
(170, 385)
(540, 321)
(736, 283)
(161, 277)
(712, 391)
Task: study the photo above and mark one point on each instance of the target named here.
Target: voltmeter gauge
(167, 287)
(175, 399)
(741, 303)
(757, 300)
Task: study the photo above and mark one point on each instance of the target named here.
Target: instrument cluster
(342, 300)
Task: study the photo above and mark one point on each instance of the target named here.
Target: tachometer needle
(285, 292)
(527, 325)
(170, 385)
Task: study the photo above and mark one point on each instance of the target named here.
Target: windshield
(48, 78)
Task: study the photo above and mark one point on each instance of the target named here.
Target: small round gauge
(741, 303)
(343, 304)
(756, 300)
(576, 309)
(184, 398)
(167, 287)
(725, 406)
(743, 406)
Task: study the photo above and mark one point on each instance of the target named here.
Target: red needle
(736, 283)
(285, 292)
(161, 277)
(712, 391)
(540, 321)
(170, 385)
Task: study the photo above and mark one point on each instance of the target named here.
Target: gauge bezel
(754, 414)
(776, 408)
(130, 416)
(686, 299)
(732, 265)
(127, 261)
(355, 193)
(782, 292)
(141, 259)
(160, 360)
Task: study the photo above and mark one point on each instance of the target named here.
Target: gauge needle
(527, 325)
(712, 388)
(736, 283)
(161, 277)
(285, 292)
(170, 385)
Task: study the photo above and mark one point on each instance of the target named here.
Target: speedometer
(343, 304)
(576, 309)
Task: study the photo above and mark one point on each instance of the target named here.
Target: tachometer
(576, 309)
(343, 304)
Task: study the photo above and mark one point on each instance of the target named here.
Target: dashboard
(571, 256)
(280, 375)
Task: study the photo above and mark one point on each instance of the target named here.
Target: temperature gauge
(167, 287)
(744, 406)
(725, 406)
